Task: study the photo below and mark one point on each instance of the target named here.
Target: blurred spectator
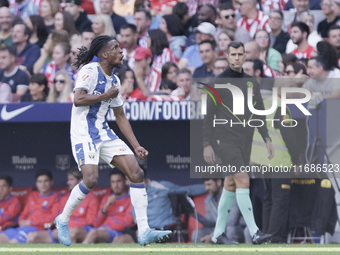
(254, 67)
(10, 73)
(313, 37)
(124, 7)
(62, 89)
(73, 57)
(146, 4)
(298, 34)
(106, 7)
(6, 20)
(38, 89)
(224, 37)
(81, 219)
(208, 56)
(60, 61)
(159, 46)
(322, 78)
(253, 50)
(330, 20)
(334, 38)
(169, 71)
(87, 36)
(172, 27)
(188, 21)
(49, 8)
(74, 8)
(336, 7)
(39, 31)
(278, 37)
(102, 25)
(293, 69)
(227, 15)
(184, 81)
(26, 54)
(24, 8)
(129, 90)
(4, 3)
(10, 206)
(191, 56)
(326, 50)
(54, 38)
(115, 212)
(163, 6)
(143, 60)
(64, 21)
(6, 95)
(302, 5)
(128, 40)
(195, 4)
(220, 65)
(39, 209)
(167, 86)
(268, 5)
(142, 22)
(207, 13)
(268, 55)
(253, 19)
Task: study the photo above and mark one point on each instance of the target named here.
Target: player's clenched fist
(113, 92)
(141, 152)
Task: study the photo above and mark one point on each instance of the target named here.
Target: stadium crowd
(166, 44)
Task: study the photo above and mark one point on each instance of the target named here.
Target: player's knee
(31, 237)
(91, 181)
(137, 176)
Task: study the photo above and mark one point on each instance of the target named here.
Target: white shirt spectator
(5, 93)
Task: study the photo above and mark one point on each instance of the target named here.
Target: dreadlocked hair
(86, 55)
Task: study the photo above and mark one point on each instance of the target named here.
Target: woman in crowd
(268, 55)
(64, 21)
(60, 61)
(102, 25)
(285, 60)
(48, 10)
(223, 39)
(159, 46)
(326, 50)
(38, 89)
(294, 68)
(169, 71)
(172, 27)
(61, 90)
(39, 31)
(313, 37)
(54, 38)
(129, 91)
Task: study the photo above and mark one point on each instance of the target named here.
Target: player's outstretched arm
(82, 98)
(125, 128)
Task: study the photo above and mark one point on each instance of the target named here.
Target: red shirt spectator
(268, 5)
(85, 213)
(41, 209)
(9, 209)
(304, 54)
(161, 5)
(252, 25)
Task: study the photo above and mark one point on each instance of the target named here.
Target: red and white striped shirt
(252, 25)
(305, 54)
(268, 5)
(268, 71)
(193, 4)
(154, 78)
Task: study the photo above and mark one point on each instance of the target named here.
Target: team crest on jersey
(92, 155)
(1, 211)
(81, 210)
(44, 204)
(121, 208)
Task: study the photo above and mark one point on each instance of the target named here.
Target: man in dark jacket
(232, 141)
(81, 21)
(278, 38)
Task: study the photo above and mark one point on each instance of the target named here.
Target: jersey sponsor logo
(5, 115)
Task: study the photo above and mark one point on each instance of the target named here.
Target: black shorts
(131, 230)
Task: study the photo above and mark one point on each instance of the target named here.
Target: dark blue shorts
(20, 234)
(113, 233)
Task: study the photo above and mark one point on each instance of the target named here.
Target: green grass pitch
(167, 249)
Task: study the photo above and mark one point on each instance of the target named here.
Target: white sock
(78, 194)
(139, 200)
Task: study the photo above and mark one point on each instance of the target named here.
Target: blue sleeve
(32, 56)
(187, 52)
(192, 190)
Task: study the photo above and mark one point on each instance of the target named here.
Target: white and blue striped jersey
(88, 123)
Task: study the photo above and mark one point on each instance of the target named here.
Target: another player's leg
(224, 207)
(4, 238)
(128, 165)
(40, 237)
(78, 193)
(78, 234)
(246, 208)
